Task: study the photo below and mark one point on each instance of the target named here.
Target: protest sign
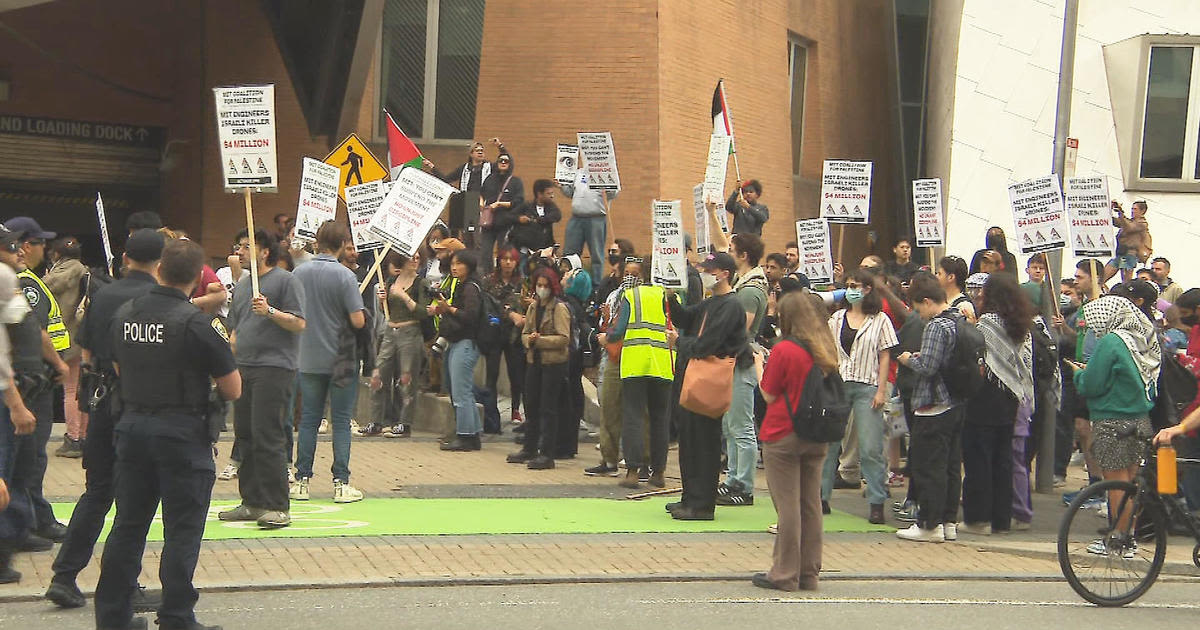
(108, 255)
(816, 262)
(703, 239)
(669, 262)
(362, 202)
(566, 163)
(409, 210)
(599, 160)
(1038, 213)
(715, 169)
(1090, 215)
(927, 212)
(246, 131)
(846, 191)
(318, 198)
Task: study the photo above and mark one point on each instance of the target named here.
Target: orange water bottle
(1168, 480)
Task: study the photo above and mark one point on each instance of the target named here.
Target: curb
(578, 579)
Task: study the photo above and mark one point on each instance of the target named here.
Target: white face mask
(543, 293)
(708, 280)
(15, 310)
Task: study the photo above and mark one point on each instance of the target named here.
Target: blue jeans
(315, 389)
(868, 423)
(741, 443)
(590, 230)
(461, 358)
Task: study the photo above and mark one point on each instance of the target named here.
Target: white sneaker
(950, 531)
(354, 428)
(976, 529)
(291, 474)
(230, 472)
(299, 491)
(324, 428)
(1021, 526)
(346, 493)
(916, 534)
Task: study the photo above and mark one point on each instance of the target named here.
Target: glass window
(429, 66)
(402, 64)
(797, 76)
(1165, 128)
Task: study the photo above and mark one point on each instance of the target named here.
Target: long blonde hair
(799, 316)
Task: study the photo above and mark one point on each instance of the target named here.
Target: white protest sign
(246, 130)
(714, 170)
(599, 160)
(703, 239)
(927, 212)
(362, 202)
(318, 197)
(816, 261)
(846, 191)
(566, 163)
(108, 255)
(410, 209)
(1038, 213)
(1089, 211)
(722, 217)
(669, 261)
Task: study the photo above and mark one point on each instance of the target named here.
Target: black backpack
(964, 374)
(823, 411)
(1178, 384)
(488, 337)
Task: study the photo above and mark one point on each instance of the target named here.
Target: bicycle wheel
(1109, 560)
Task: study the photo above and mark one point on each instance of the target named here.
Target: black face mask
(1190, 320)
(614, 259)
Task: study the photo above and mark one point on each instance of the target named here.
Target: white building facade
(992, 95)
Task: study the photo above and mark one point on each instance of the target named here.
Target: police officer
(142, 252)
(55, 341)
(16, 421)
(166, 350)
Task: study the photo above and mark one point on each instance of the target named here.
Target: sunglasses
(13, 247)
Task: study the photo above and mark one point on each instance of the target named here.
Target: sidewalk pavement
(416, 468)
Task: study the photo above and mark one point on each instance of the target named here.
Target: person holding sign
(749, 214)
(589, 220)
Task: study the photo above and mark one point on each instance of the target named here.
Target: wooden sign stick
(253, 242)
(380, 283)
(375, 267)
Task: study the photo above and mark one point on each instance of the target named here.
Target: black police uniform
(98, 451)
(42, 407)
(165, 349)
(18, 461)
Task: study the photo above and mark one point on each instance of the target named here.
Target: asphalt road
(669, 606)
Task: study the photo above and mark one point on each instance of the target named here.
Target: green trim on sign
(431, 517)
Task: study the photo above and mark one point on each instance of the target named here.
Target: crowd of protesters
(949, 370)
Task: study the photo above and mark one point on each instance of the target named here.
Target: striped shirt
(861, 364)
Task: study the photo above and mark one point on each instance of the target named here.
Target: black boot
(8, 575)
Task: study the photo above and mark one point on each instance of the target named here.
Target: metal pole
(1062, 126)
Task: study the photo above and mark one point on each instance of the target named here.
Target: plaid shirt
(936, 345)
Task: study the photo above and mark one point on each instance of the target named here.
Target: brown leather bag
(708, 384)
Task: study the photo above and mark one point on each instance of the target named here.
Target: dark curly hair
(1002, 296)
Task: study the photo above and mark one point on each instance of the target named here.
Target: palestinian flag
(401, 151)
(722, 121)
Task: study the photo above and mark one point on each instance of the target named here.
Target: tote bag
(708, 384)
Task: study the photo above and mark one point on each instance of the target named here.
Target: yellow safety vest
(645, 351)
(55, 327)
(449, 284)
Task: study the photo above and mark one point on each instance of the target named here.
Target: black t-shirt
(26, 340)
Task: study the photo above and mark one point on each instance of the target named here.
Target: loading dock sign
(246, 130)
(98, 132)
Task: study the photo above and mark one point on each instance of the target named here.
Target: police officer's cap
(144, 246)
(28, 228)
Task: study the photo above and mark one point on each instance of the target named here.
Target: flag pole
(253, 241)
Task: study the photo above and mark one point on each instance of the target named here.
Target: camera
(439, 292)
(439, 346)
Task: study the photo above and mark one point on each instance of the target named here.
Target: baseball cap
(451, 244)
(145, 245)
(28, 228)
(7, 236)
(1137, 289)
(719, 260)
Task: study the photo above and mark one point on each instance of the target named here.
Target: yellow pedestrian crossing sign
(357, 163)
